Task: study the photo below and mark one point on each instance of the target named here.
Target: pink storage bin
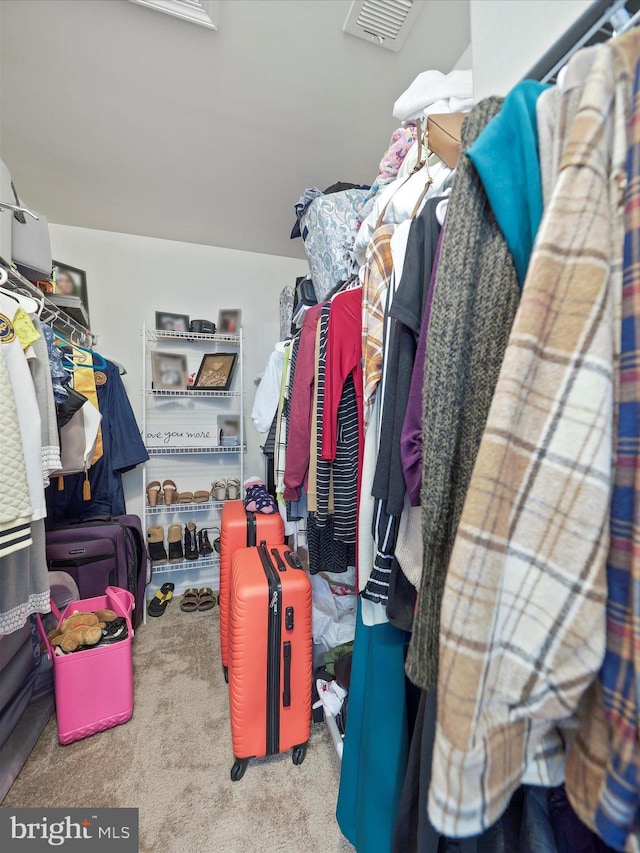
(94, 687)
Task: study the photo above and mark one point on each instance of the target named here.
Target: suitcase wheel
(299, 753)
(225, 670)
(237, 771)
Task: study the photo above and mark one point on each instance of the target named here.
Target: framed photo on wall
(168, 322)
(168, 371)
(229, 321)
(70, 281)
(216, 371)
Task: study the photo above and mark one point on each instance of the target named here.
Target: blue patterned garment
(618, 809)
(59, 376)
(329, 230)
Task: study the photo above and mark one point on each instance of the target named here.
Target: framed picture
(169, 371)
(70, 281)
(166, 322)
(229, 428)
(229, 321)
(216, 371)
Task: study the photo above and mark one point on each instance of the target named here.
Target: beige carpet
(172, 760)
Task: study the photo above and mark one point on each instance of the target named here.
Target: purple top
(411, 441)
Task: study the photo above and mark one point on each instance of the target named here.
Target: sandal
(185, 498)
(219, 490)
(153, 492)
(233, 489)
(189, 601)
(169, 490)
(201, 497)
(206, 599)
(161, 599)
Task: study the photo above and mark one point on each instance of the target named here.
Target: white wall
(130, 277)
(508, 38)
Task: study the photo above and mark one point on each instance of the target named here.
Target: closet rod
(602, 20)
(50, 314)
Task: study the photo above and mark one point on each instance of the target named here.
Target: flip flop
(206, 598)
(161, 599)
(189, 601)
(201, 497)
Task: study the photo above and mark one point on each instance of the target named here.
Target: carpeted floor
(172, 760)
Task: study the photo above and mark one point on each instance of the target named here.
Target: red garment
(296, 468)
(344, 356)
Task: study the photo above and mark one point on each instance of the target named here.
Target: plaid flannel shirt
(603, 768)
(522, 631)
(377, 279)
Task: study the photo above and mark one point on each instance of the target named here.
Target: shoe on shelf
(169, 492)
(155, 544)
(154, 492)
(204, 545)
(174, 538)
(201, 496)
(219, 490)
(233, 489)
(185, 498)
(190, 542)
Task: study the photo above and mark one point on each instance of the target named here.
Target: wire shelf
(172, 451)
(163, 509)
(201, 563)
(159, 335)
(189, 392)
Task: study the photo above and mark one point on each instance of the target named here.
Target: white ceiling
(116, 117)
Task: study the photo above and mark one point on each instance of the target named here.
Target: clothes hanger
(97, 365)
(26, 302)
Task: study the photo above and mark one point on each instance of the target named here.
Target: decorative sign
(183, 437)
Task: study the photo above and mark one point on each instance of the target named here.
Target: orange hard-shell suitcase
(240, 529)
(270, 655)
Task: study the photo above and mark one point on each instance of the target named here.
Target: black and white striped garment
(291, 516)
(323, 467)
(385, 534)
(345, 466)
(326, 554)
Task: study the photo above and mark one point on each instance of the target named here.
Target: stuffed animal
(81, 629)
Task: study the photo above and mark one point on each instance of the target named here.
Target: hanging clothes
(526, 582)
(477, 285)
(122, 450)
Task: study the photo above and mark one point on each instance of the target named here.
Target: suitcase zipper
(273, 652)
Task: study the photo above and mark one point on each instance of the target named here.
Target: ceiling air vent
(203, 12)
(383, 22)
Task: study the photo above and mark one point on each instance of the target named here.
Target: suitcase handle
(286, 694)
(279, 561)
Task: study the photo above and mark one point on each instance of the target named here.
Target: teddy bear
(81, 629)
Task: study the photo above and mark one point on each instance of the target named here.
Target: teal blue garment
(505, 156)
(374, 760)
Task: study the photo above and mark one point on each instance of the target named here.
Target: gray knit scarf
(474, 304)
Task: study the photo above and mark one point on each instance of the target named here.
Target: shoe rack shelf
(184, 508)
(185, 565)
(173, 451)
(170, 418)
